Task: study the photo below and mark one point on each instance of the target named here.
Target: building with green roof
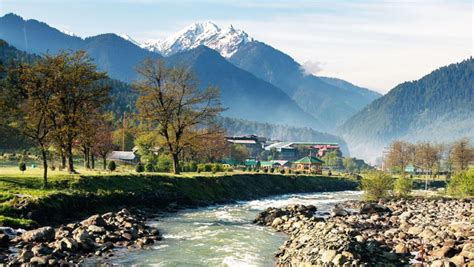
(309, 164)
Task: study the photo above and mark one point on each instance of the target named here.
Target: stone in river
(328, 255)
(41, 234)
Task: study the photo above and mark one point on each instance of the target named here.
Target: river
(222, 235)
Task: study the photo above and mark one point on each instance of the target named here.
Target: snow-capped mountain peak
(226, 41)
(130, 39)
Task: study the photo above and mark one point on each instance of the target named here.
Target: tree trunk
(70, 162)
(104, 158)
(87, 159)
(92, 161)
(84, 151)
(45, 167)
(175, 163)
(63, 160)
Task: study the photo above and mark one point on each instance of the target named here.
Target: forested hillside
(437, 107)
(322, 99)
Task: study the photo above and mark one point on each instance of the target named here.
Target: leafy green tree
(22, 167)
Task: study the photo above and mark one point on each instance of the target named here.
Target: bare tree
(103, 142)
(172, 105)
(462, 154)
(427, 156)
(400, 154)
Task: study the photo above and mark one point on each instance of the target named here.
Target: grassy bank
(24, 203)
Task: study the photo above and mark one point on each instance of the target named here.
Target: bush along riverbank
(73, 198)
(392, 233)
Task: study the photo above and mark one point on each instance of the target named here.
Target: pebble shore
(419, 232)
(96, 236)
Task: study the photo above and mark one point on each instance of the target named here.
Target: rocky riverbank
(392, 233)
(96, 236)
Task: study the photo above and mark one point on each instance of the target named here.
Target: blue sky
(376, 44)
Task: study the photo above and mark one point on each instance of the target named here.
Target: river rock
(338, 211)
(380, 235)
(369, 208)
(328, 255)
(4, 240)
(41, 234)
(96, 220)
(39, 260)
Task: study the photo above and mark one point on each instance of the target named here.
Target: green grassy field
(24, 202)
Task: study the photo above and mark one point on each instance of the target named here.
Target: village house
(252, 142)
(128, 157)
(309, 164)
(290, 150)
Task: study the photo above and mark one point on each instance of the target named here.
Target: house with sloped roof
(309, 164)
(129, 157)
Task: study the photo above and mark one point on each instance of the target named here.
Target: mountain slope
(324, 100)
(245, 95)
(438, 107)
(111, 53)
(226, 41)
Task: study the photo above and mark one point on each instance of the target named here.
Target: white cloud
(312, 67)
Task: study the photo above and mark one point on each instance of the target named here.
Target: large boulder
(95, 220)
(338, 211)
(41, 234)
(369, 208)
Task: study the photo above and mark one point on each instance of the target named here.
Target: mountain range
(262, 85)
(439, 107)
(124, 98)
(252, 86)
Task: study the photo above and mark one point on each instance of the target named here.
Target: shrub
(193, 166)
(462, 184)
(112, 166)
(139, 167)
(265, 170)
(200, 168)
(149, 167)
(164, 164)
(403, 186)
(289, 171)
(207, 167)
(272, 170)
(257, 170)
(376, 185)
(282, 171)
(230, 169)
(22, 166)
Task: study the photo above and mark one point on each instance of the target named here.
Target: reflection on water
(223, 235)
